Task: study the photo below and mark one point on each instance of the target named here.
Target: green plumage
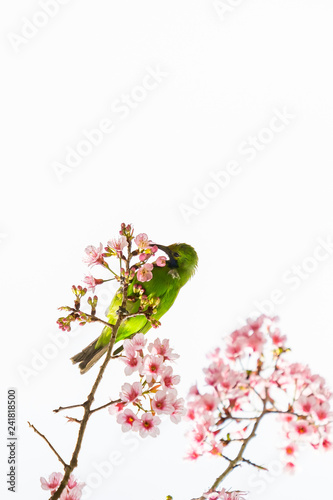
(165, 284)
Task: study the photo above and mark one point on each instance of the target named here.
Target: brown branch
(50, 445)
(90, 399)
(229, 417)
(239, 458)
(106, 405)
(82, 405)
(92, 317)
(253, 464)
(287, 412)
(61, 408)
(72, 419)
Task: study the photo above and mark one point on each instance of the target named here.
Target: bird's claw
(121, 310)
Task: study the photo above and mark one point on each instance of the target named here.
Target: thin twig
(72, 419)
(90, 399)
(239, 458)
(106, 405)
(61, 408)
(50, 445)
(93, 318)
(253, 464)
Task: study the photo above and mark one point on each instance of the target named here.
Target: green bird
(165, 284)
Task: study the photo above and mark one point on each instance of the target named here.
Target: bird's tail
(89, 356)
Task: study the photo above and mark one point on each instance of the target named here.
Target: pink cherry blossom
(94, 255)
(161, 261)
(326, 444)
(138, 342)
(118, 244)
(131, 359)
(322, 410)
(290, 467)
(278, 339)
(193, 453)
(145, 272)
(116, 408)
(148, 425)
(301, 429)
(194, 391)
(306, 403)
(162, 349)
(224, 495)
(233, 495)
(287, 417)
(256, 341)
(168, 379)
(178, 410)
(142, 241)
(199, 433)
(152, 367)
(162, 402)
(73, 490)
(290, 449)
(257, 323)
(53, 483)
(131, 392)
(71, 494)
(214, 495)
(72, 483)
(128, 420)
(237, 342)
(92, 282)
(207, 402)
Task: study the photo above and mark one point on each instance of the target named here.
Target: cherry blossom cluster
(144, 401)
(142, 270)
(115, 248)
(64, 323)
(250, 379)
(224, 495)
(73, 490)
(309, 413)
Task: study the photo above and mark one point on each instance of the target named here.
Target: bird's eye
(176, 254)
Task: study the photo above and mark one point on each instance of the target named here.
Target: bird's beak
(164, 249)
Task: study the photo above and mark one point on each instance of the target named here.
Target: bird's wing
(163, 285)
(158, 286)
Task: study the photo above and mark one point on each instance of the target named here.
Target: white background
(227, 74)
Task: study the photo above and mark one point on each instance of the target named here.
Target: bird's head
(182, 258)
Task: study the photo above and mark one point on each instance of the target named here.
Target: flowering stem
(106, 405)
(109, 269)
(239, 458)
(68, 468)
(92, 317)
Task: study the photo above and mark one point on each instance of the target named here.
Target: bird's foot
(122, 310)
